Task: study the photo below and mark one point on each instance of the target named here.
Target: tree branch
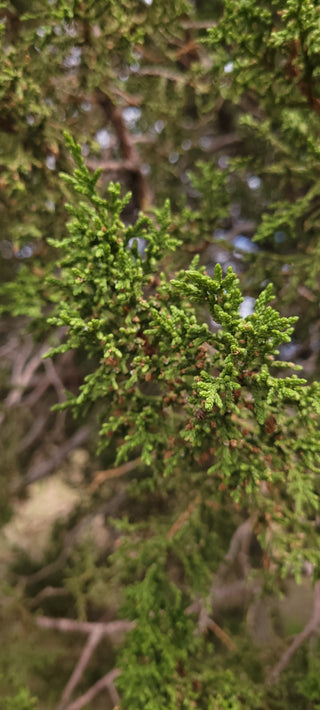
(106, 682)
(93, 640)
(127, 147)
(102, 476)
(95, 631)
(310, 628)
(45, 467)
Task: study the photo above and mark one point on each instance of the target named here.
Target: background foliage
(187, 558)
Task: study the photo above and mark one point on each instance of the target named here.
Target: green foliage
(163, 384)
(271, 54)
(21, 701)
(224, 428)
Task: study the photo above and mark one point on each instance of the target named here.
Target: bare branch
(34, 432)
(45, 467)
(95, 631)
(175, 77)
(106, 682)
(238, 550)
(55, 380)
(93, 640)
(85, 627)
(310, 628)
(48, 593)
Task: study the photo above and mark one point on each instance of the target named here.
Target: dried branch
(95, 631)
(93, 640)
(175, 77)
(102, 476)
(45, 467)
(22, 371)
(85, 627)
(310, 628)
(55, 380)
(238, 549)
(34, 432)
(106, 682)
(48, 593)
(235, 595)
(198, 24)
(183, 518)
(205, 623)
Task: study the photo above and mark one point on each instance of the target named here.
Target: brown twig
(102, 476)
(175, 77)
(183, 518)
(198, 24)
(127, 147)
(305, 87)
(205, 623)
(310, 628)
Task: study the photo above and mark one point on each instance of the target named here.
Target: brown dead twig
(102, 476)
(205, 623)
(312, 627)
(95, 631)
(185, 515)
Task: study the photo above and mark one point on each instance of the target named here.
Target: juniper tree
(222, 508)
